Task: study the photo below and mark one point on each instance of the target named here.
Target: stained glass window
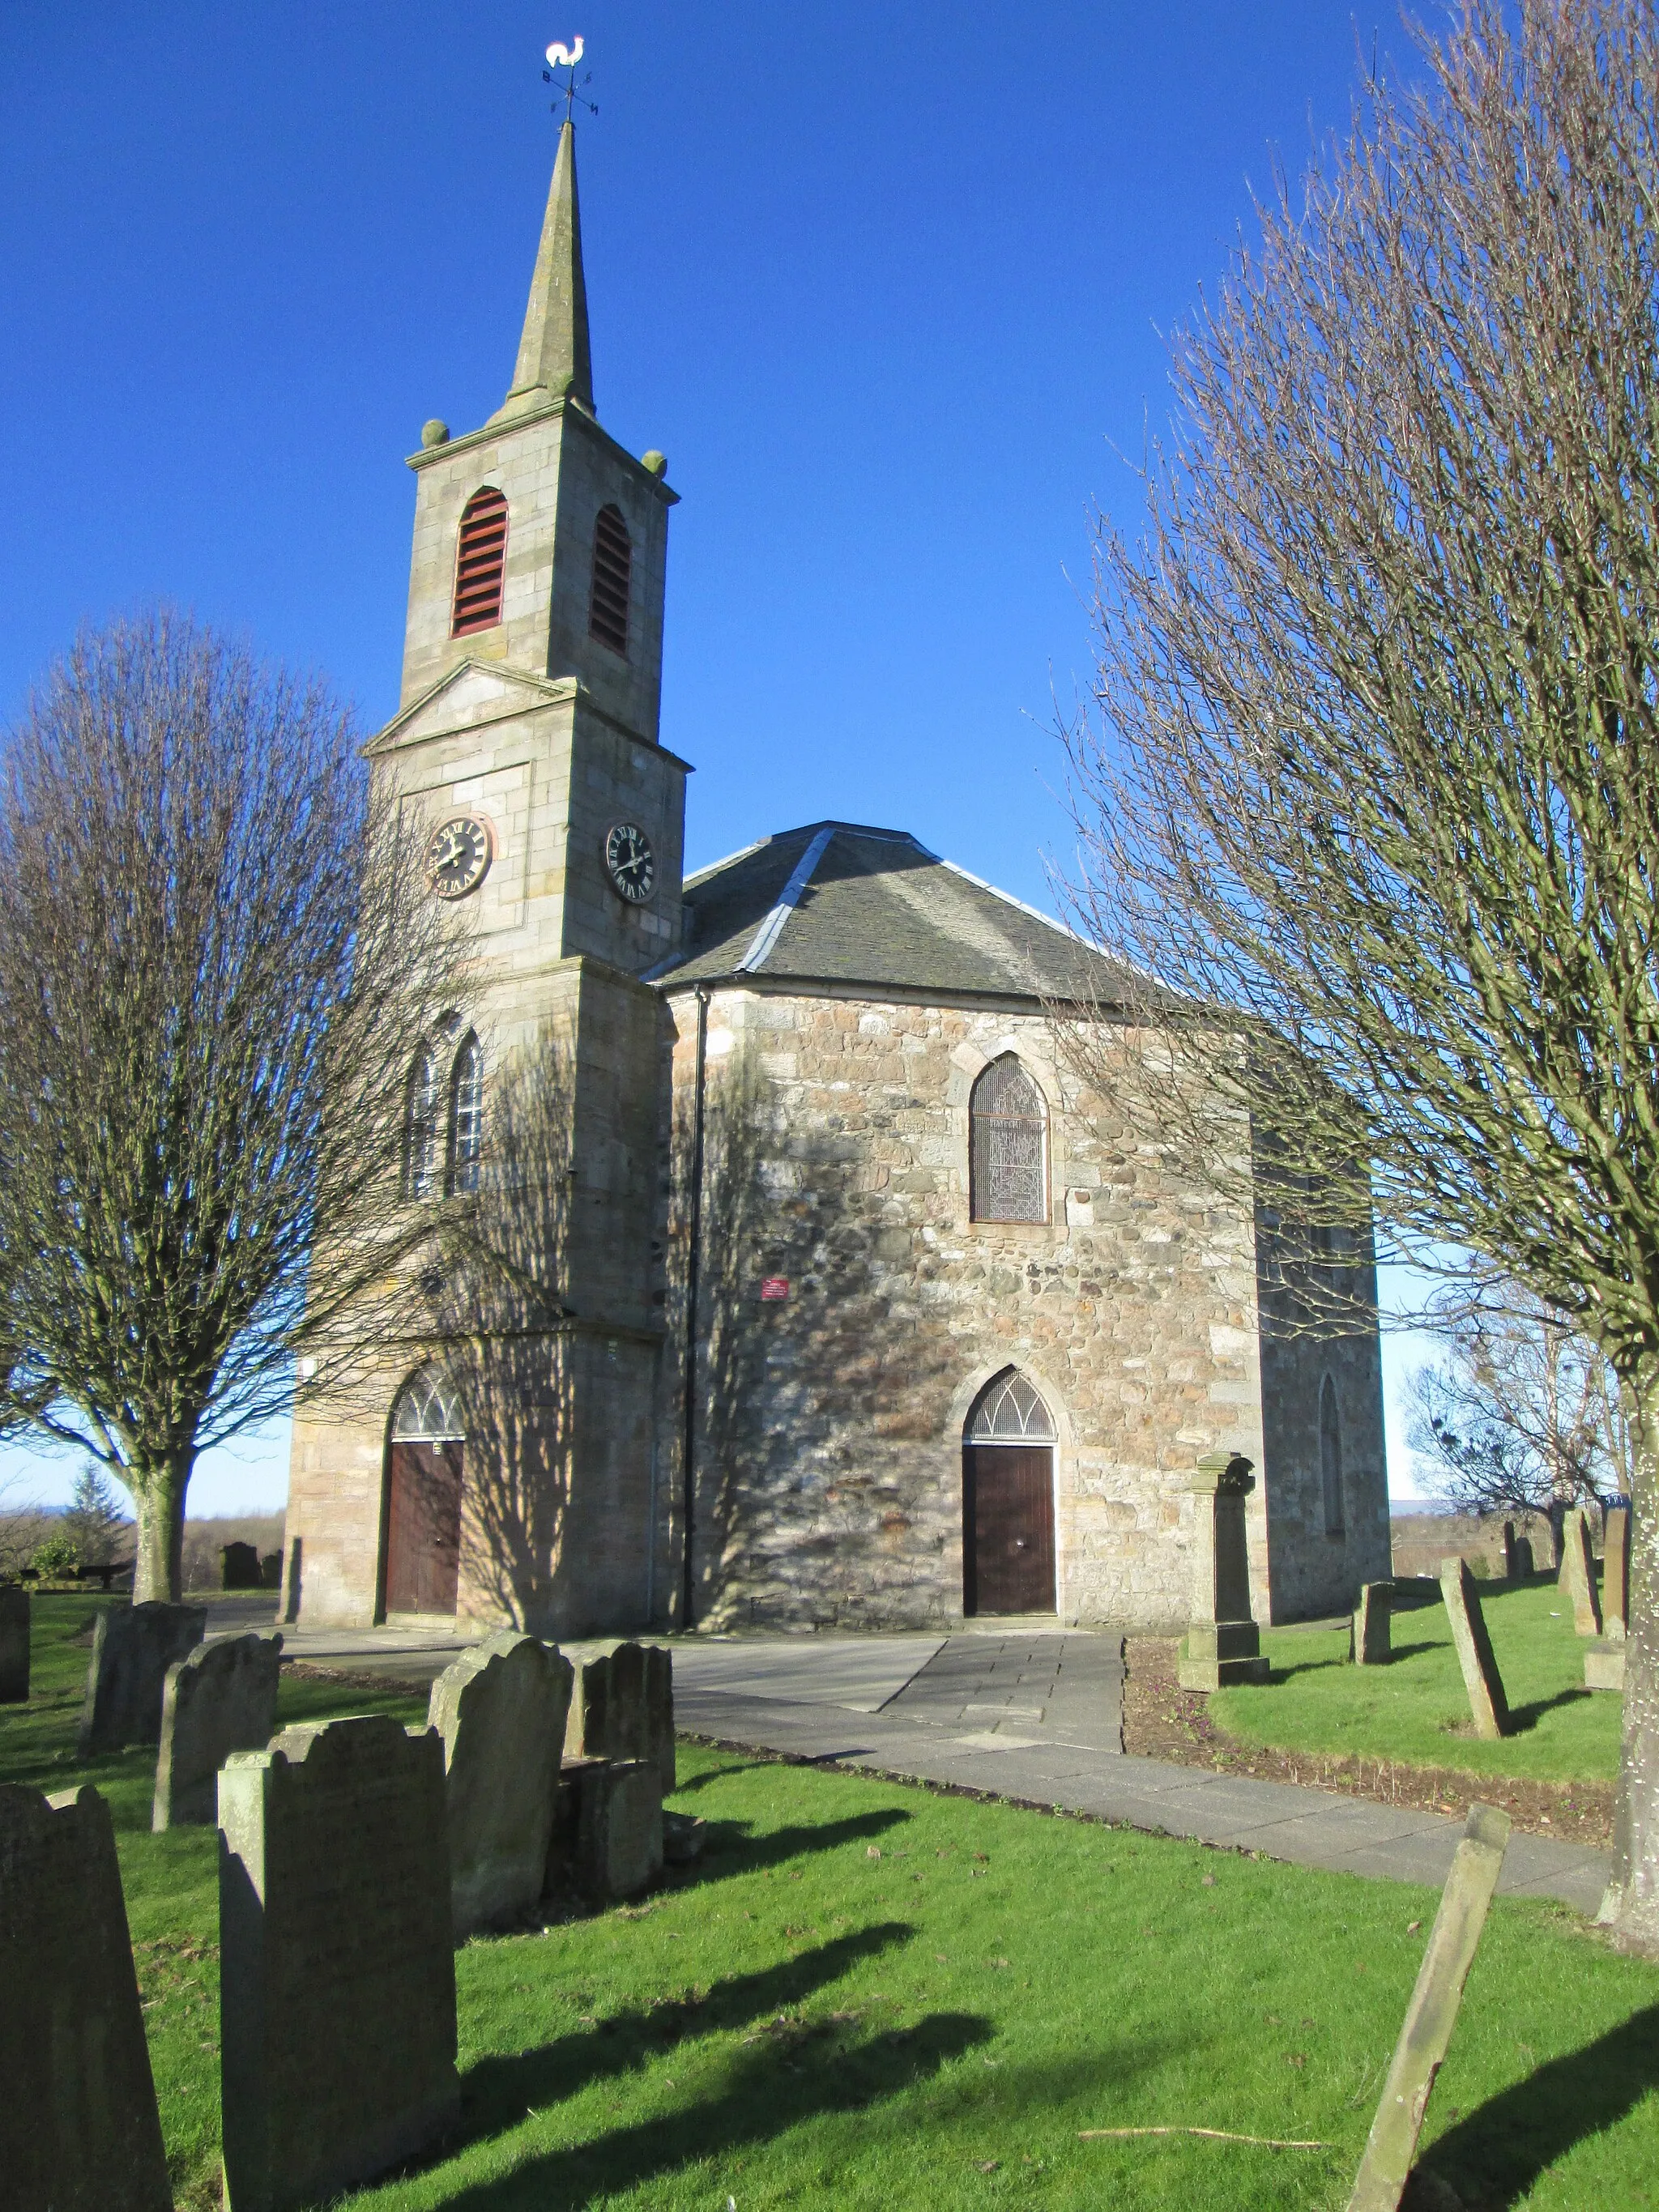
(1009, 1162)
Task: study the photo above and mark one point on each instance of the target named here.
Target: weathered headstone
(1508, 1551)
(1371, 1620)
(1604, 1665)
(1523, 1565)
(502, 1710)
(78, 2125)
(337, 1975)
(1433, 2012)
(1615, 1573)
(1578, 1573)
(219, 1699)
(13, 1644)
(239, 1568)
(627, 1708)
(619, 1833)
(1223, 1644)
(1488, 1705)
(132, 1648)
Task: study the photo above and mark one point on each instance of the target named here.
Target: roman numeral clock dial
(629, 862)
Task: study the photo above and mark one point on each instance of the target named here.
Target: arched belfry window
(465, 1117)
(613, 569)
(1009, 1411)
(421, 1126)
(1330, 1456)
(1009, 1161)
(480, 563)
(427, 1410)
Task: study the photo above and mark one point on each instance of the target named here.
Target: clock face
(458, 856)
(629, 862)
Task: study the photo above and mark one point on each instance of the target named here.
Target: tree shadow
(1522, 1717)
(719, 1774)
(1493, 2156)
(1411, 1651)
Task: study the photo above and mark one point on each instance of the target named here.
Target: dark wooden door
(1008, 1534)
(424, 1528)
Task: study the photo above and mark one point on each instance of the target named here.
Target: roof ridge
(766, 937)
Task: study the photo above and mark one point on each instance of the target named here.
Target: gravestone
(221, 1698)
(627, 1709)
(1432, 2013)
(1578, 1573)
(1372, 1619)
(270, 1571)
(1615, 1573)
(13, 1644)
(1509, 1552)
(239, 1567)
(132, 1648)
(501, 1710)
(78, 2125)
(1524, 1566)
(1488, 1706)
(1222, 1644)
(1604, 1665)
(619, 1832)
(337, 1975)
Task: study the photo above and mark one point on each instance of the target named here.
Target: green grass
(1415, 1710)
(804, 2024)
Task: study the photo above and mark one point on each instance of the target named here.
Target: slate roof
(842, 903)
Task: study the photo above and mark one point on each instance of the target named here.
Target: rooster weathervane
(560, 56)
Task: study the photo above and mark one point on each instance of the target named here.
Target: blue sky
(886, 285)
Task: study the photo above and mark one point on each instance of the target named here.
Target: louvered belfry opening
(613, 564)
(480, 563)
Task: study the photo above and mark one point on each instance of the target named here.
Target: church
(870, 1316)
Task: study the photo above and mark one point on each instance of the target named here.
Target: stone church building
(956, 1338)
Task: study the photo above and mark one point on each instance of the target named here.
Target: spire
(554, 361)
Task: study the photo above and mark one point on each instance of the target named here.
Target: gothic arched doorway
(423, 1497)
(1008, 1500)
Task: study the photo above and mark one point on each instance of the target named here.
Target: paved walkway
(1027, 1712)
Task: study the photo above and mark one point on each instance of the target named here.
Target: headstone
(13, 1644)
(1433, 2012)
(1578, 1573)
(132, 1648)
(1615, 1573)
(78, 2125)
(1509, 1552)
(238, 1566)
(627, 1708)
(336, 1975)
(619, 1834)
(501, 1710)
(1604, 1665)
(1372, 1619)
(221, 1698)
(1223, 1644)
(1523, 1565)
(1488, 1705)
(270, 1571)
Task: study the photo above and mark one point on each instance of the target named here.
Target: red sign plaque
(773, 1287)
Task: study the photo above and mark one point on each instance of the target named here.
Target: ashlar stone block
(13, 1644)
(1484, 1685)
(1578, 1573)
(628, 1707)
(336, 1974)
(1372, 1625)
(79, 2130)
(132, 1648)
(221, 1698)
(501, 1710)
(1223, 1644)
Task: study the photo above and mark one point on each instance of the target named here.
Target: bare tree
(217, 943)
(1368, 795)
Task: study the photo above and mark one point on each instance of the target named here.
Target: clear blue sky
(886, 285)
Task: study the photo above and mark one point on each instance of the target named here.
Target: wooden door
(1008, 1534)
(424, 1527)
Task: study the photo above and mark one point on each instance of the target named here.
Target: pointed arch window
(1008, 1167)
(1330, 1456)
(465, 1117)
(1010, 1411)
(613, 570)
(421, 1126)
(428, 1410)
(480, 563)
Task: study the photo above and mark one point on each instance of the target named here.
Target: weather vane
(560, 56)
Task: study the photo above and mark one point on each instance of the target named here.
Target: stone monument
(627, 1708)
(1615, 1573)
(619, 1832)
(1371, 1620)
(219, 1699)
(1523, 1567)
(1222, 1644)
(1578, 1573)
(78, 2125)
(132, 1648)
(502, 1710)
(1488, 1706)
(337, 1975)
(13, 1644)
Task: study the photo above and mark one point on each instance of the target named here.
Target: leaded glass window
(466, 1117)
(427, 1410)
(1008, 1410)
(421, 1126)
(1010, 1161)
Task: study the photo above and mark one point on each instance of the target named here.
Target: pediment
(472, 693)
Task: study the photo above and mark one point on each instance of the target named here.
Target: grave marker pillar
(1481, 1681)
(1578, 1573)
(1371, 1621)
(1223, 1644)
(13, 1644)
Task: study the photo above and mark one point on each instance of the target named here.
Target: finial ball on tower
(656, 462)
(435, 433)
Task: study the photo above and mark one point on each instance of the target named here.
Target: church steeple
(554, 359)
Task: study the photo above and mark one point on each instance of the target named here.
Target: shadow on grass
(736, 1852)
(1413, 1650)
(1494, 2155)
(720, 1774)
(1522, 1717)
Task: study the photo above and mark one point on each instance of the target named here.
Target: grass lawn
(1415, 1710)
(869, 1996)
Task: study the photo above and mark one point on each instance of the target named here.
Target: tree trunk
(1631, 1904)
(159, 1499)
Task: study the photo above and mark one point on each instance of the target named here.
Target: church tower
(527, 738)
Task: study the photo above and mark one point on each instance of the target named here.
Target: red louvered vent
(480, 559)
(613, 562)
